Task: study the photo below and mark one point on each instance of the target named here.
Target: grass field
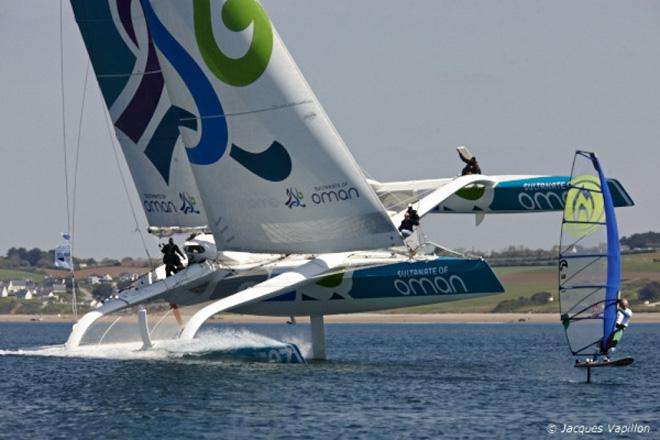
(113, 271)
(7, 274)
(638, 270)
(642, 263)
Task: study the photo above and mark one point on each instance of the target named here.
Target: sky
(522, 83)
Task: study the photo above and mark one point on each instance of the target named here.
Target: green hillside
(8, 274)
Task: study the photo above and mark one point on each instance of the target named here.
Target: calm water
(384, 381)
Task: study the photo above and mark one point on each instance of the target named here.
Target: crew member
(471, 167)
(407, 225)
(413, 215)
(171, 254)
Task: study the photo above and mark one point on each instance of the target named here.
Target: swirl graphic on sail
(269, 128)
(214, 134)
(237, 16)
(273, 164)
(126, 64)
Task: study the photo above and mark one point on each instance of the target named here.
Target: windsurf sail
(146, 123)
(589, 259)
(274, 174)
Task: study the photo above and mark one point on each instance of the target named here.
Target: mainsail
(146, 123)
(274, 174)
(589, 259)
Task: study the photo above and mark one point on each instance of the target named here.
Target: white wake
(210, 341)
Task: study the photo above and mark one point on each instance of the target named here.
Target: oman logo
(295, 198)
(188, 203)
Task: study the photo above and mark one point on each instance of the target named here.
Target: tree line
(35, 258)
(645, 240)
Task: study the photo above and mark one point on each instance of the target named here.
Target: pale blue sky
(522, 83)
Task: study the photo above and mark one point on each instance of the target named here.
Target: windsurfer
(623, 315)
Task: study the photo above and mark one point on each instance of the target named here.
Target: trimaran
(226, 141)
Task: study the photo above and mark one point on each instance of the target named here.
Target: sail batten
(589, 259)
(585, 256)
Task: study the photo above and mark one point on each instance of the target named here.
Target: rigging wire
(74, 299)
(125, 185)
(77, 157)
(69, 232)
(63, 109)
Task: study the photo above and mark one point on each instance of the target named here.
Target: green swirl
(237, 15)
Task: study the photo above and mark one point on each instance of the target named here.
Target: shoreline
(372, 318)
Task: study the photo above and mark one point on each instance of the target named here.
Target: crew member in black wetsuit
(413, 215)
(471, 167)
(408, 224)
(171, 254)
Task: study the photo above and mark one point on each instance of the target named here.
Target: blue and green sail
(147, 125)
(589, 259)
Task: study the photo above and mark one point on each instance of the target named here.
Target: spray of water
(209, 343)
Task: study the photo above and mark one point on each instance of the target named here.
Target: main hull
(298, 285)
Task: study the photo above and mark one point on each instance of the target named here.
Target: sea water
(382, 381)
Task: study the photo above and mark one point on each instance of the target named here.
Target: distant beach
(371, 318)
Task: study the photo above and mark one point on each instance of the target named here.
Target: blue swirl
(214, 137)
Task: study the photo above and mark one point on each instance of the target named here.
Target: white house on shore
(26, 294)
(58, 288)
(16, 286)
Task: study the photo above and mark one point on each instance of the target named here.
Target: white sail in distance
(146, 123)
(274, 174)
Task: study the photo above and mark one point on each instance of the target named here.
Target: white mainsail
(273, 173)
(146, 123)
